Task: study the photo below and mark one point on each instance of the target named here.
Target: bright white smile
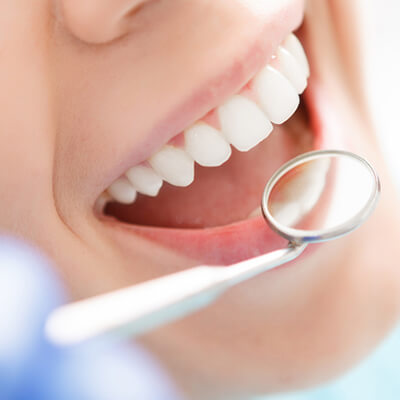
(243, 121)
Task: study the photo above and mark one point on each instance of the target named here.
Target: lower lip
(242, 240)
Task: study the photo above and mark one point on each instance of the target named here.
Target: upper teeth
(294, 47)
(285, 101)
(144, 180)
(174, 165)
(206, 145)
(243, 123)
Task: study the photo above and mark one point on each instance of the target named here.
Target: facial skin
(82, 84)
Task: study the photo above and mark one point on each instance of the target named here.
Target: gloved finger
(92, 372)
(30, 368)
(28, 292)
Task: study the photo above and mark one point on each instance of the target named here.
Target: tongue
(222, 195)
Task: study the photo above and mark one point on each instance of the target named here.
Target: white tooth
(206, 145)
(243, 123)
(122, 191)
(287, 214)
(302, 193)
(174, 165)
(144, 180)
(291, 69)
(312, 193)
(292, 45)
(315, 183)
(101, 202)
(276, 94)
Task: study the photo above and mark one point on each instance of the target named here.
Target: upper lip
(252, 55)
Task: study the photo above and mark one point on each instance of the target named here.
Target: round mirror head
(320, 195)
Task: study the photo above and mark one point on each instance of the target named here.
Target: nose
(100, 21)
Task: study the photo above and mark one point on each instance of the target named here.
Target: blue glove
(32, 369)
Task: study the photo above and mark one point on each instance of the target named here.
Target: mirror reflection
(321, 193)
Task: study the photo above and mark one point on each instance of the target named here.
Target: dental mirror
(315, 197)
(320, 195)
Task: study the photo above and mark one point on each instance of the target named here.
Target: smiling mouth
(200, 193)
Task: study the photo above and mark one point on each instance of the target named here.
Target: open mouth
(200, 193)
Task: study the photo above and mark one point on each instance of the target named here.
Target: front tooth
(243, 123)
(174, 165)
(122, 191)
(144, 180)
(206, 145)
(291, 69)
(276, 94)
(293, 46)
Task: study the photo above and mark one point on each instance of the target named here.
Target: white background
(383, 74)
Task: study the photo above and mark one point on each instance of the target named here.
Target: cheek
(334, 317)
(27, 129)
